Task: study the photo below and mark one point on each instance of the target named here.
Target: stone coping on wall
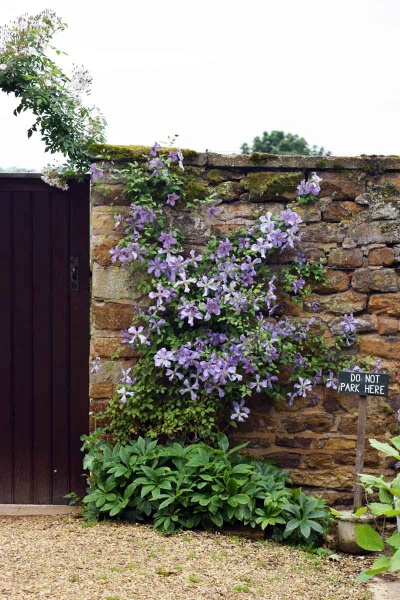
(373, 164)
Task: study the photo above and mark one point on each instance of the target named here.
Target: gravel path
(62, 558)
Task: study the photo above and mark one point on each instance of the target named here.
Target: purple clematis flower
(240, 411)
(95, 172)
(172, 199)
(163, 358)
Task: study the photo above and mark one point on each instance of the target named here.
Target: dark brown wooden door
(44, 339)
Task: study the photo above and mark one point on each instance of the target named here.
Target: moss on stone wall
(258, 158)
(268, 186)
(117, 152)
(195, 188)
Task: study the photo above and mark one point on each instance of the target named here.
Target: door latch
(74, 273)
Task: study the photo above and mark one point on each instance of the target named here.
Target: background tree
(279, 142)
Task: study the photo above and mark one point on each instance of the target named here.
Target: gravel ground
(62, 558)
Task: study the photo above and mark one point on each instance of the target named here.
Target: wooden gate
(44, 339)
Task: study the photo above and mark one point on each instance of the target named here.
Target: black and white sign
(363, 384)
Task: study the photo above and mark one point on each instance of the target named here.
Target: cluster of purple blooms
(230, 341)
(310, 187)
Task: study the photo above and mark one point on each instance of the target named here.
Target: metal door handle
(74, 273)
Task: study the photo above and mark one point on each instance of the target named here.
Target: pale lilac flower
(172, 199)
(207, 284)
(136, 333)
(163, 358)
(212, 211)
(224, 247)
(332, 381)
(212, 308)
(190, 389)
(95, 172)
(257, 384)
(155, 148)
(158, 165)
(185, 281)
(167, 239)
(378, 365)
(290, 218)
(315, 305)
(189, 311)
(298, 284)
(241, 412)
(262, 246)
(311, 186)
(124, 394)
(303, 386)
(177, 157)
(126, 378)
(95, 365)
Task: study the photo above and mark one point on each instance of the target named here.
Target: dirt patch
(62, 558)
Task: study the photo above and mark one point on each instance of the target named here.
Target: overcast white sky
(219, 72)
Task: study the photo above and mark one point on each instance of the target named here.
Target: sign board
(363, 384)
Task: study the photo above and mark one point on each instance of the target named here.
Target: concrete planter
(346, 532)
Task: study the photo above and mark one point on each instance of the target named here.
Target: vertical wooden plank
(79, 323)
(60, 346)
(42, 349)
(6, 350)
(22, 328)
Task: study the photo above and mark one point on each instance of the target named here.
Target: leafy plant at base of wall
(211, 337)
(65, 124)
(184, 487)
(388, 507)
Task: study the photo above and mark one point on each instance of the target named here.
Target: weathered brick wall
(354, 228)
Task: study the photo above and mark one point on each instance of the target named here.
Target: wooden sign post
(363, 384)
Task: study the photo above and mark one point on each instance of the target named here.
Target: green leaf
(368, 539)
(223, 441)
(395, 562)
(394, 540)
(386, 448)
(242, 498)
(305, 530)
(396, 442)
(217, 519)
(361, 511)
(377, 508)
(232, 487)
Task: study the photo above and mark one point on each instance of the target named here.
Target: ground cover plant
(178, 486)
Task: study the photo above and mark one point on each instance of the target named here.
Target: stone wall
(354, 228)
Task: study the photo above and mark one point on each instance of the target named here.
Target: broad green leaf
(384, 447)
(242, 498)
(129, 490)
(394, 540)
(396, 442)
(395, 562)
(379, 566)
(232, 487)
(379, 509)
(368, 538)
(223, 442)
(361, 511)
(217, 519)
(292, 525)
(305, 530)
